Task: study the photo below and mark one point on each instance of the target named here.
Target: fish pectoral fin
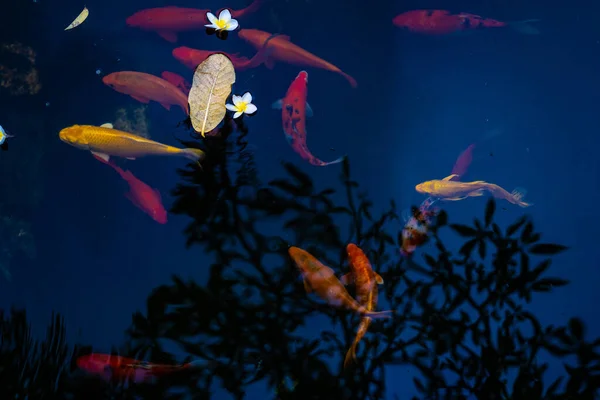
(168, 36)
(102, 156)
(378, 278)
(454, 198)
(140, 99)
(477, 193)
(309, 111)
(130, 158)
(107, 125)
(307, 287)
(347, 278)
(450, 177)
(277, 105)
(167, 106)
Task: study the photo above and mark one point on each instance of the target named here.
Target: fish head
(140, 18)
(74, 135)
(185, 56)
(114, 82)
(424, 187)
(253, 36)
(305, 262)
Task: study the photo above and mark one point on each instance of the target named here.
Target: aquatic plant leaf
(547, 248)
(577, 328)
(468, 247)
(515, 227)
(442, 218)
(547, 284)
(210, 88)
(464, 230)
(489, 211)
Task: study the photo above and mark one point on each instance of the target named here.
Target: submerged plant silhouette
(461, 320)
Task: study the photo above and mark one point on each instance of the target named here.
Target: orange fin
(167, 106)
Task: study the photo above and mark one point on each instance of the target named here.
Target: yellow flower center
(242, 106)
(222, 24)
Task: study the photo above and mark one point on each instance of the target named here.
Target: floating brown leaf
(210, 88)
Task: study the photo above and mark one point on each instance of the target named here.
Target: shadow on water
(462, 322)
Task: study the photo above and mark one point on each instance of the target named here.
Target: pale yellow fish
(79, 20)
(105, 141)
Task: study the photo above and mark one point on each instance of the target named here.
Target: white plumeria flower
(223, 23)
(241, 105)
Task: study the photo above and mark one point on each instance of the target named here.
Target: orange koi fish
(104, 141)
(321, 279)
(168, 21)
(145, 87)
(294, 110)
(448, 190)
(177, 80)
(119, 367)
(442, 22)
(140, 194)
(366, 281)
(191, 58)
(283, 50)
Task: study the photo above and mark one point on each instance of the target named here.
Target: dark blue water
(421, 100)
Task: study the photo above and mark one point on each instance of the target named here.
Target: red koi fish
(366, 281)
(416, 229)
(283, 50)
(145, 87)
(191, 58)
(321, 279)
(117, 367)
(168, 21)
(177, 80)
(140, 194)
(441, 22)
(294, 110)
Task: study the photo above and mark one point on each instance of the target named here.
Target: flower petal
(213, 26)
(247, 98)
(233, 24)
(225, 15)
(237, 114)
(250, 109)
(236, 99)
(231, 107)
(212, 18)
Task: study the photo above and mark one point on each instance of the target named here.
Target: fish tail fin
(362, 330)
(518, 195)
(378, 314)
(196, 155)
(350, 355)
(350, 79)
(525, 27)
(320, 163)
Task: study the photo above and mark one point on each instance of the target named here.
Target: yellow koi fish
(104, 141)
(366, 281)
(449, 190)
(79, 20)
(321, 279)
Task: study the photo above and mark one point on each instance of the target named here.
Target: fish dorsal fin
(449, 177)
(107, 125)
(378, 278)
